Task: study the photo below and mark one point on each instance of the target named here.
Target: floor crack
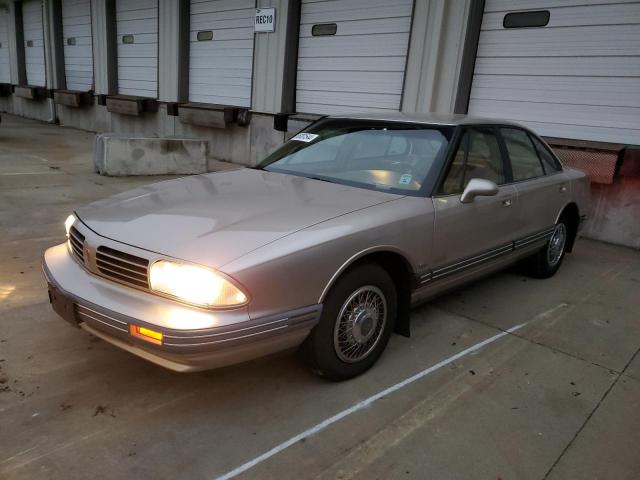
(591, 414)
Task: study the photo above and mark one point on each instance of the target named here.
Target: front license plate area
(62, 305)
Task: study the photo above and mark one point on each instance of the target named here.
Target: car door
(541, 185)
(472, 236)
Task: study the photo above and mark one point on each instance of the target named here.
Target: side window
(478, 156)
(550, 163)
(524, 159)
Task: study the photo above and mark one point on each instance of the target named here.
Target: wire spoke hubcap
(556, 244)
(360, 324)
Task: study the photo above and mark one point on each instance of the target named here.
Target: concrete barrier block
(121, 155)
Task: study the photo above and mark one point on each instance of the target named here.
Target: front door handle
(506, 202)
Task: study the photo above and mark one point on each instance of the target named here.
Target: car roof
(427, 118)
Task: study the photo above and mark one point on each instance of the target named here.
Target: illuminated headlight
(68, 223)
(197, 285)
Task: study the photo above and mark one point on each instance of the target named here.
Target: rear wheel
(547, 261)
(357, 320)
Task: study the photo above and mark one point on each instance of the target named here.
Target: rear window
(525, 163)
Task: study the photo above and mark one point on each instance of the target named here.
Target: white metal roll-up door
(33, 43)
(578, 77)
(78, 51)
(355, 58)
(137, 32)
(221, 51)
(5, 72)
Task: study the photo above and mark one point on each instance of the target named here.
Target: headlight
(68, 223)
(193, 284)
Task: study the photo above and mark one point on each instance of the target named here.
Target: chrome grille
(122, 267)
(76, 239)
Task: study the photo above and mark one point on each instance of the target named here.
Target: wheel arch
(397, 265)
(572, 213)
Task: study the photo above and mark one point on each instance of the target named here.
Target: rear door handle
(563, 188)
(506, 202)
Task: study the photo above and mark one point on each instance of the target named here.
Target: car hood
(215, 218)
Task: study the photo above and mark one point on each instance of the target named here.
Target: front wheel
(356, 323)
(547, 261)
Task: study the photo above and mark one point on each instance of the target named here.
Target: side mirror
(478, 187)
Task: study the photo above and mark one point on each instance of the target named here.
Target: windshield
(390, 156)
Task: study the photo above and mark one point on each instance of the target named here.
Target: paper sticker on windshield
(305, 137)
(405, 179)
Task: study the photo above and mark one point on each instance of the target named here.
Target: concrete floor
(558, 399)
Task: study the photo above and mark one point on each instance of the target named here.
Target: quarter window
(478, 156)
(524, 159)
(549, 161)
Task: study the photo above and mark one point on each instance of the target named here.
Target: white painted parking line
(364, 403)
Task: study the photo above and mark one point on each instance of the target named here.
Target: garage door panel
(203, 77)
(243, 35)
(241, 48)
(137, 61)
(514, 5)
(534, 94)
(222, 89)
(138, 88)
(225, 66)
(139, 50)
(206, 6)
(136, 6)
(579, 115)
(559, 66)
(329, 109)
(354, 99)
(578, 75)
(231, 18)
(565, 41)
(220, 70)
(363, 27)
(619, 14)
(79, 30)
(139, 73)
(146, 26)
(596, 134)
(360, 67)
(352, 9)
(369, 64)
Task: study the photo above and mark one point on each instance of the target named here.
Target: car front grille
(122, 267)
(76, 239)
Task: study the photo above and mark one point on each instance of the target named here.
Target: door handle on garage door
(506, 202)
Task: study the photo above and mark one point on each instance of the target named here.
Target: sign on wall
(265, 20)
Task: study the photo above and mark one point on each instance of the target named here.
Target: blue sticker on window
(405, 179)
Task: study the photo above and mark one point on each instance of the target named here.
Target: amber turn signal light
(146, 334)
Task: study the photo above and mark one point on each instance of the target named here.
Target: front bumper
(218, 338)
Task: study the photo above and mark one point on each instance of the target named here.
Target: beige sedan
(323, 247)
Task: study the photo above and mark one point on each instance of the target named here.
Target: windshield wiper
(322, 179)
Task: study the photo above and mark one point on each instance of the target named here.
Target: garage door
(352, 55)
(5, 72)
(576, 75)
(78, 51)
(33, 43)
(137, 32)
(221, 52)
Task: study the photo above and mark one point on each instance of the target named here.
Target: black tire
(545, 263)
(323, 352)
